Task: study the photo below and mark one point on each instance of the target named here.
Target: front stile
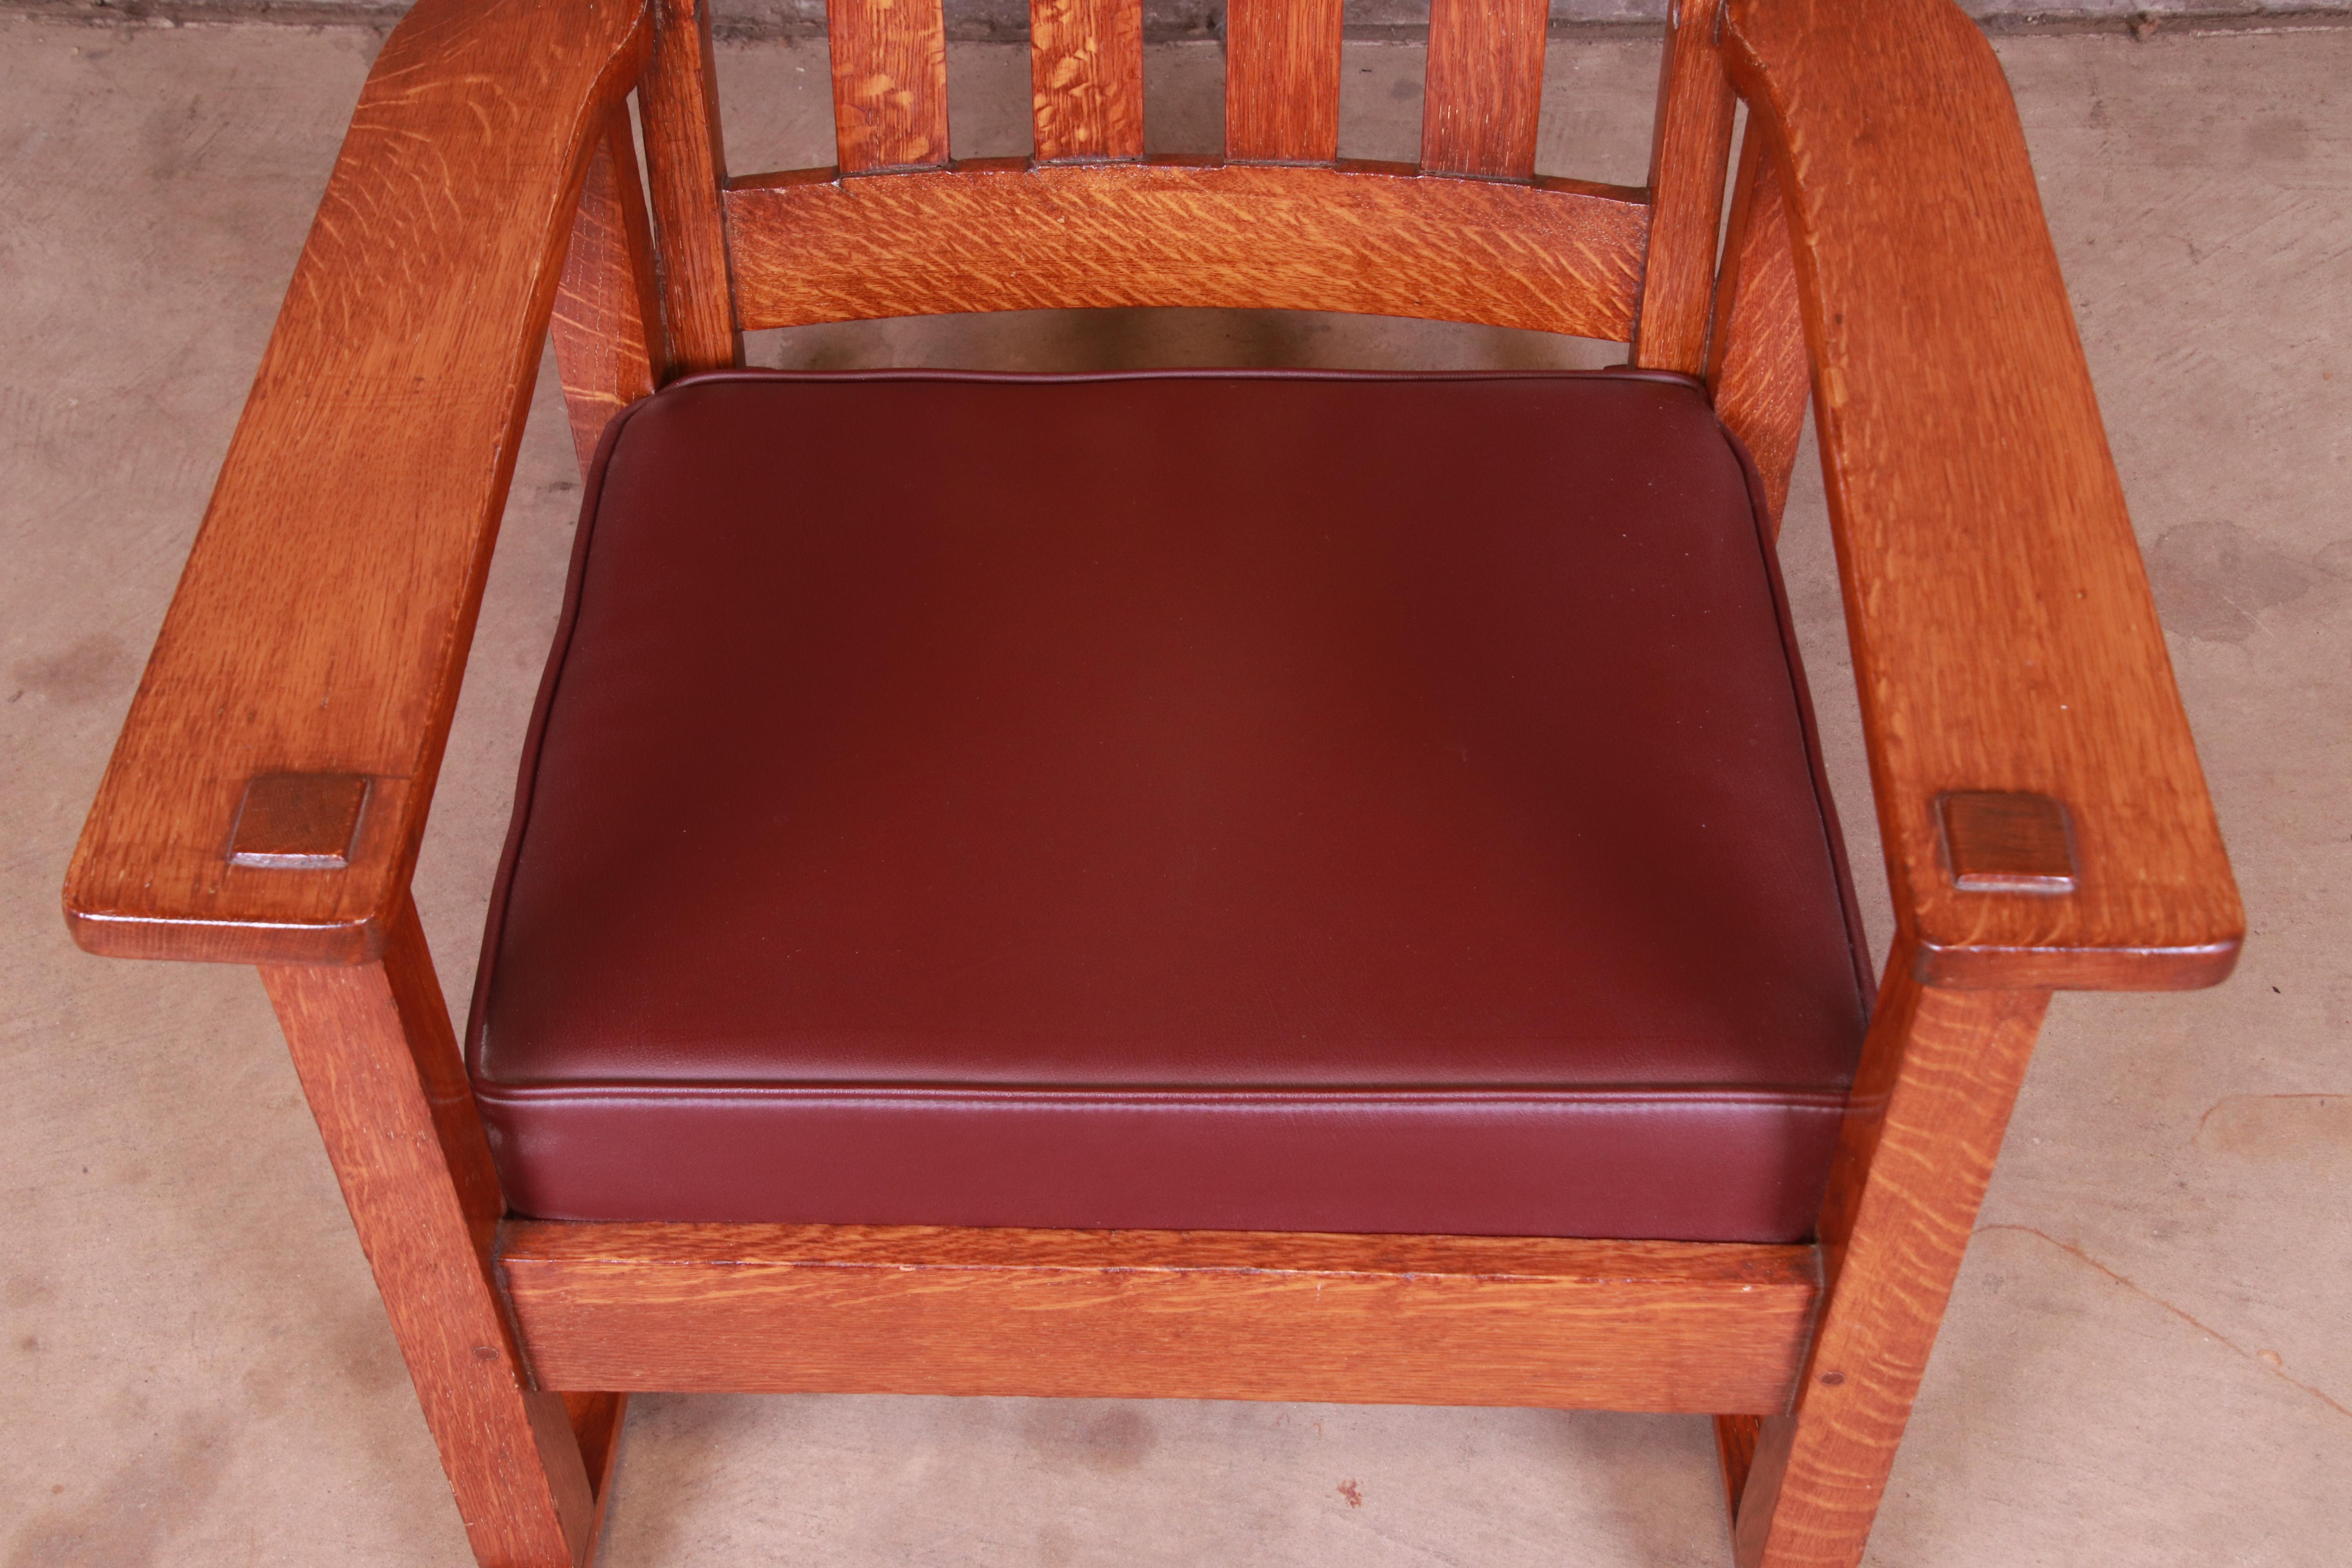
(379, 1063)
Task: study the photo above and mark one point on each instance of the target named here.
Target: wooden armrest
(320, 628)
(2005, 641)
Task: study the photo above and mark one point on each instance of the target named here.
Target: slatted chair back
(896, 227)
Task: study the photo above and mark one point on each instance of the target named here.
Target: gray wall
(983, 19)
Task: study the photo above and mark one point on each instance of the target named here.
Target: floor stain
(28, 1290)
(1349, 1489)
(2279, 139)
(2214, 579)
(366, 1355)
(91, 668)
(2313, 1128)
(1104, 1436)
(2269, 1361)
(128, 1520)
(1055, 1548)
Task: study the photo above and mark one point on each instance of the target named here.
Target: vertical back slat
(1086, 78)
(1688, 157)
(890, 83)
(685, 169)
(1484, 87)
(1282, 81)
(1757, 366)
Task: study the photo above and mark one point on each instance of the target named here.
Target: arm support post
(372, 1045)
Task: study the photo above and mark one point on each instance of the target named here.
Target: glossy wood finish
(607, 321)
(2004, 636)
(890, 84)
(372, 1045)
(1734, 1455)
(1757, 367)
(1086, 79)
(1938, 1073)
(299, 821)
(1690, 151)
(1885, 234)
(686, 166)
(996, 236)
(2006, 843)
(1161, 1314)
(1282, 81)
(596, 1421)
(333, 587)
(1483, 87)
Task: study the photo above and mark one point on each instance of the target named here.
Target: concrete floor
(2145, 1360)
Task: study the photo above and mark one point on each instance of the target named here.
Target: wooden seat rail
(1612, 1325)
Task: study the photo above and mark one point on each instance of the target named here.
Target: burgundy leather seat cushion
(1299, 802)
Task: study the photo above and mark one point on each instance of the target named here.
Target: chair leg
(1931, 1100)
(596, 1422)
(1734, 1449)
(374, 1050)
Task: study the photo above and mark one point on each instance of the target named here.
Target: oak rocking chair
(1200, 885)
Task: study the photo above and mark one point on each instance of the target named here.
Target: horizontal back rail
(998, 234)
(1469, 233)
(1676, 1326)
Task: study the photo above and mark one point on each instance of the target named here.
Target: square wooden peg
(2006, 843)
(298, 821)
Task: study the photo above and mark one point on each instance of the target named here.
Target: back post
(686, 176)
(1690, 152)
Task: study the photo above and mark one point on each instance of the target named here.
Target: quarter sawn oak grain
(889, 85)
(1887, 246)
(1161, 1314)
(1282, 81)
(2003, 634)
(607, 322)
(334, 585)
(373, 1047)
(1485, 88)
(686, 164)
(1756, 350)
(1931, 1100)
(1689, 150)
(998, 236)
(1086, 75)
